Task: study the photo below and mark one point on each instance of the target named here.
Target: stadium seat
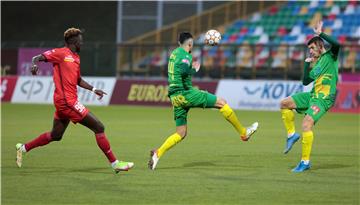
(289, 24)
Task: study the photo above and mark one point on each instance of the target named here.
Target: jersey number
(171, 69)
(79, 107)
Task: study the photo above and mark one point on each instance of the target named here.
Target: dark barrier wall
(46, 21)
(42, 24)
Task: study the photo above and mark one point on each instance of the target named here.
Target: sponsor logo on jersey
(69, 59)
(186, 61)
(79, 107)
(315, 109)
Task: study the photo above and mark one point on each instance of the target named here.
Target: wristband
(93, 89)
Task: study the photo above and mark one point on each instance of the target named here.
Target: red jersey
(66, 74)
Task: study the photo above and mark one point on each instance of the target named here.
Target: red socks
(41, 140)
(104, 145)
(101, 141)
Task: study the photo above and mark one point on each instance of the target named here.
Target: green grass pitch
(211, 166)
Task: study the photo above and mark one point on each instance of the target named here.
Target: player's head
(73, 37)
(316, 46)
(186, 41)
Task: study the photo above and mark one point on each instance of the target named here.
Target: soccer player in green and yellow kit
(184, 96)
(324, 73)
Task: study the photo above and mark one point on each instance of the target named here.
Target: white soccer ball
(212, 37)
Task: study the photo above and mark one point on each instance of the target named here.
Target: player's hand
(309, 59)
(100, 93)
(318, 28)
(34, 69)
(196, 66)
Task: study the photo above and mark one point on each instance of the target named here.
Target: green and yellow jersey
(181, 92)
(180, 71)
(324, 72)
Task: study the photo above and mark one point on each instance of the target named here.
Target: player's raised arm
(335, 46)
(82, 83)
(36, 59)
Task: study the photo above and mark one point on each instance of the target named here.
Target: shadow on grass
(200, 164)
(56, 170)
(191, 165)
(325, 166)
(212, 164)
(330, 166)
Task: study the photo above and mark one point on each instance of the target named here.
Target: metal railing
(268, 61)
(223, 61)
(216, 18)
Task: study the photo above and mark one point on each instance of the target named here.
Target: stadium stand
(266, 44)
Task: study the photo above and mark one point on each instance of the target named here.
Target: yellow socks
(287, 116)
(169, 143)
(230, 116)
(307, 140)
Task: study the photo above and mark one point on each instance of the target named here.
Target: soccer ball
(212, 37)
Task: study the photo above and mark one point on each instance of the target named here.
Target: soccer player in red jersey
(66, 62)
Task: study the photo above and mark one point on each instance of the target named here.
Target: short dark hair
(184, 36)
(316, 40)
(70, 34)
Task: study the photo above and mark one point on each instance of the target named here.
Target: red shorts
(75, 113)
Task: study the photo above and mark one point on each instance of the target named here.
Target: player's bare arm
(196, 66)
(36, 59)
(82, 83)
(335, 46)
(318, 28)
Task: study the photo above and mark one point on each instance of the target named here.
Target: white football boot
(250, 131)
(154, 159)
(19, 154)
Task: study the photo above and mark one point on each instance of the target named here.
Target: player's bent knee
(285, 104)
(220, 102)
(56, 136)
(100, 127)
(307, 124)
(182, 134)
(306, 127)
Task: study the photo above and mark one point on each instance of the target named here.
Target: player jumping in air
(66, 62)
(324, 73)
(183, 97)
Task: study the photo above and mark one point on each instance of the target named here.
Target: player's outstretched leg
(59, 127)
(307, 140)
(288, 116)
(170, 142)
(230, 116)
(98, 128)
